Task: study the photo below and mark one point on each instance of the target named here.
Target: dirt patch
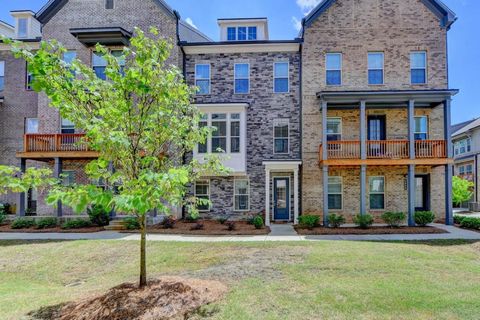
(372, 230)
(8, 229)
(165, 298)
(210, 228)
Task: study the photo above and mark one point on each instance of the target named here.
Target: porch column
(295, 196)
(363, 130)
(448, 167)
(324, 130)
(57, 171)
(411, 195)
(267, 197)
(21, 195)
(325, 195)
(363, 190)
(411, 128)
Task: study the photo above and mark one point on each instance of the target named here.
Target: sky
(284, 19)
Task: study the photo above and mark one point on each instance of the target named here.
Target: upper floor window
(226, 136)
(22, 27)
(281, 136)
(235, 133)
(202, 78)
(67, 127)
(99, 65)
(463, 146)
(281, 75)
(31, 125)
(333, 65)
(334, 129)
(421, 128)
(203, 147)
(241, 33)
(231, 34)
(242, 78)
(69, 56)
(202, 191)
(418, 66)
(252, 33)
(375, 67)
(109, 4)
(120, 58)
(2, 75)
(335, 193)
(377, 193)
(241, 194)
(469, 169)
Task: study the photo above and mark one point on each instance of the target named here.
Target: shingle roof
(466, 126)
(190, 34)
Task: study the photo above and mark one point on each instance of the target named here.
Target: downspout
(476, 178)
(300, 188)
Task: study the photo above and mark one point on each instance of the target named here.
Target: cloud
(307, 5)
(190, 22)
(297, 23)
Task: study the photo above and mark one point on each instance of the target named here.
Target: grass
(321, 280)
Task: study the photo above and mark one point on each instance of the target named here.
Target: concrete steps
(116, 225)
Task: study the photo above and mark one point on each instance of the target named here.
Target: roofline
(233, 19)
(459, 132)
(38, 39)
(197, 31)
(239, 43)
(20, 11)
(7, 24)
(292, 46)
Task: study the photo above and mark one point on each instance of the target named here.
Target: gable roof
(467, 126)
(447, 17)
(190, 34)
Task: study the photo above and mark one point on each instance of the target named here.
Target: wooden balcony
(385, 152)
(48, 146)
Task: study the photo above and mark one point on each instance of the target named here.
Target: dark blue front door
(281, 198)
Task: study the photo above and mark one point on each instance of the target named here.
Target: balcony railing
(386, 149)
(55, 143)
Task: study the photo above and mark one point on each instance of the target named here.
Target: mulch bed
(210, 228)
(7, 229)
(369, 231)
(474, 230)
(165, 298)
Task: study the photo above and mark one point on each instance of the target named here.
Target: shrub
(222, 220)
(251, 218)
(470, 223)
(131, 223)
(98, 215)
(422, 218)
(5, 208)
(458, 219)
(258, 222)
(46, 223)
(363, 221)
(336, 220)
(308, 221)
(169, 222)
(76, 224)
(191, 218)
(197, 226)
(22, 223)
(2, 218)
(231, 226)
(394, 219)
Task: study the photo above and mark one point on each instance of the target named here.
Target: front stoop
(116, 225)
(281, 230)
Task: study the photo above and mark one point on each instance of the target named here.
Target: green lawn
(322, 280)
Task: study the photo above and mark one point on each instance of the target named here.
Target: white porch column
(267, 196)
(295, 196)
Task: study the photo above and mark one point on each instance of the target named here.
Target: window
(67, 127)
(69, 56)
(281, 136)
(461, 170)
(31, 125)
(252, 33)
(334, 69)
(29, 79)
(375, 68)
(68, 177)
(99, 65)
(235, 133)
(22, 27)
(469, 169)
(418, 67)
(121, 60)
(202, 78)
(377, 193)
(242, 78)
(231, 34)
(421, 128)
(463, 146)
(241, 195)
(203, 147)
(280, 74)
(335, 191)
(2, 75)
(334, 129)
(242, 33)
(219, 136)
(202, 191)
(109, 4)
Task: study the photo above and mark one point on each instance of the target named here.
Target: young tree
(462, 190)
(13, 180)
(140, 121)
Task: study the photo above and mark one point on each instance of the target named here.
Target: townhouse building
(351, 117)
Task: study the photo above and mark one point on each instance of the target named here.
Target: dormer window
(22, 27)
(241, 33)
(109, 4)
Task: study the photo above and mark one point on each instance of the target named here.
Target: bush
(222, 220)
(22, 223)
(470, 223)
(46, 223)
(76, 224)
(336, 220)
(251, 218)
(309, 221)
(231, 226)
(363, 221)
(98, 215)
(131, 223)
(3, 218)
(191, 218)
(5, 208)
(422, 218)
(458, 219)
(169, 222)
(258, 222)
(394, 219)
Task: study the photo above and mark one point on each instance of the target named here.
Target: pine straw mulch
(369, 231)
(165, 298)
(7, 229)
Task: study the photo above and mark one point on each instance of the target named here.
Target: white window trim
(235, 194)
(209, 78)
(428, 126)
(209, 193)
(383, 68)
(275, 76)
(278, 122)
(236, 32)
(27, 28)
(336, 193)
(341, 126)
(229, 132)
(235, 78)
(26, 125)
(228, 120)
(327, 69)
(426, 67)
(457, 146)
(384, 193)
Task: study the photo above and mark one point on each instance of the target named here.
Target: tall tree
(140, 121)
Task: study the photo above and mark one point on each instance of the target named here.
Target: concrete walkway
(279, 233)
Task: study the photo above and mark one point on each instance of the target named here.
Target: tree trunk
(143, 262)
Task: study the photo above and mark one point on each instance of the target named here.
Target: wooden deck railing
(386, 149)
(55, 143)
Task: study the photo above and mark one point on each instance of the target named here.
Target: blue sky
(464, 43)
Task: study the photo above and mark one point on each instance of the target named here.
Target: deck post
(21, 195)
(267, 196)
(324, 130)
(363, 190)
(295, 196)
(57, 171)
(411, 195)
(448, 167)
(411, 129)
(363, 130)
(325, 195)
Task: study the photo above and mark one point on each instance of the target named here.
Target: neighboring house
(365, 83)
(7, 30)
(466, 142)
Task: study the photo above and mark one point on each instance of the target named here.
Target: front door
(376, 132)
(281, 199)
(421, 193)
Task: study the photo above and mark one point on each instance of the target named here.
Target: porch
(51, 146)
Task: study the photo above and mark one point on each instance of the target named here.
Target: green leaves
(13, 180)
(462, 190)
